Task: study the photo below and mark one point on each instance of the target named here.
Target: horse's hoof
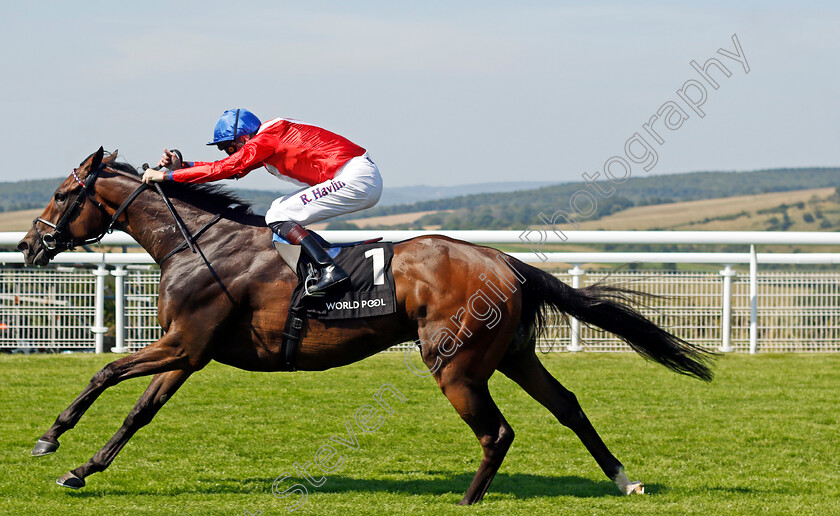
(70, 480)
(43, 447)
(635, 488)
(625, 485)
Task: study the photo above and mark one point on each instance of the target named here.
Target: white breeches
(357, 185)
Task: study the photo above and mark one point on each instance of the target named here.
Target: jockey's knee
(284, 228)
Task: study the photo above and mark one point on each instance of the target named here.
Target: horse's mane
(207, 197)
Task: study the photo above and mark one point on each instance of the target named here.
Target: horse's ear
(111, 157)
(96, 160)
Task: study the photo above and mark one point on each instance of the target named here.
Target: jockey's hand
(153, 176)
(170, 160)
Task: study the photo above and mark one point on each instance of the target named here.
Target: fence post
(753, 301)
(99, 327)
(119, 308)
(726, 318)
(574, 345)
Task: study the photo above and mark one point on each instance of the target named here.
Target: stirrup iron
(312, 277)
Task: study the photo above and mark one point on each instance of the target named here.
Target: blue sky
(438, 92)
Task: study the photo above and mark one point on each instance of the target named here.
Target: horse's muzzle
(33, 254)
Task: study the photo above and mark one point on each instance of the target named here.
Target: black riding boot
(329, 273)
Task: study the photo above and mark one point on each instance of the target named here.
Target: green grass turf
(763, 438)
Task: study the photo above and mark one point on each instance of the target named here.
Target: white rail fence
(64, 308)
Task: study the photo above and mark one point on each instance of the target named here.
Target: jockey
(336, 175)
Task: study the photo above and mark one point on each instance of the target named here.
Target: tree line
(512, 210)
(517, 209)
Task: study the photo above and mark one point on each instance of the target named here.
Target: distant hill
(410, 194)
(261, 199)
(35, 194)
(27, 195)
(510, 210)
(512, 204)
(24, 195)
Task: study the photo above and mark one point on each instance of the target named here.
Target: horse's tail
(609, 307)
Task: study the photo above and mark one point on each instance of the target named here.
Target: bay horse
(229, 302)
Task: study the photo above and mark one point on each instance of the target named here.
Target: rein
(180, 223)
(183, 245)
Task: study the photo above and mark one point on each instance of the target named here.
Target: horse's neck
(153, 226)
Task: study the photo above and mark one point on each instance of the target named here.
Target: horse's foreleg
(162, 387)
(155, 358)
(477, 408)
(530, 374)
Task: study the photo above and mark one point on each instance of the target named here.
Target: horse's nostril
(23, 247)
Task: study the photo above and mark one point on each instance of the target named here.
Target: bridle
(58, 240)
(60, 237)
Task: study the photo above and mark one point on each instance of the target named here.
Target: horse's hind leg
(155, 358)
(477, 408)
(527, 371)
(162, 387)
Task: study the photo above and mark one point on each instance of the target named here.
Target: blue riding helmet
(234, 123)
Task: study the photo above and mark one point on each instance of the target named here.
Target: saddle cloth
(369, 292)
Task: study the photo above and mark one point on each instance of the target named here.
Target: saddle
(291, 253)
(370, 291)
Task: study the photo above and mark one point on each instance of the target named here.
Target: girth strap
(291, 339)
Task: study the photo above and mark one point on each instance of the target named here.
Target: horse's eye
(60, 196)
